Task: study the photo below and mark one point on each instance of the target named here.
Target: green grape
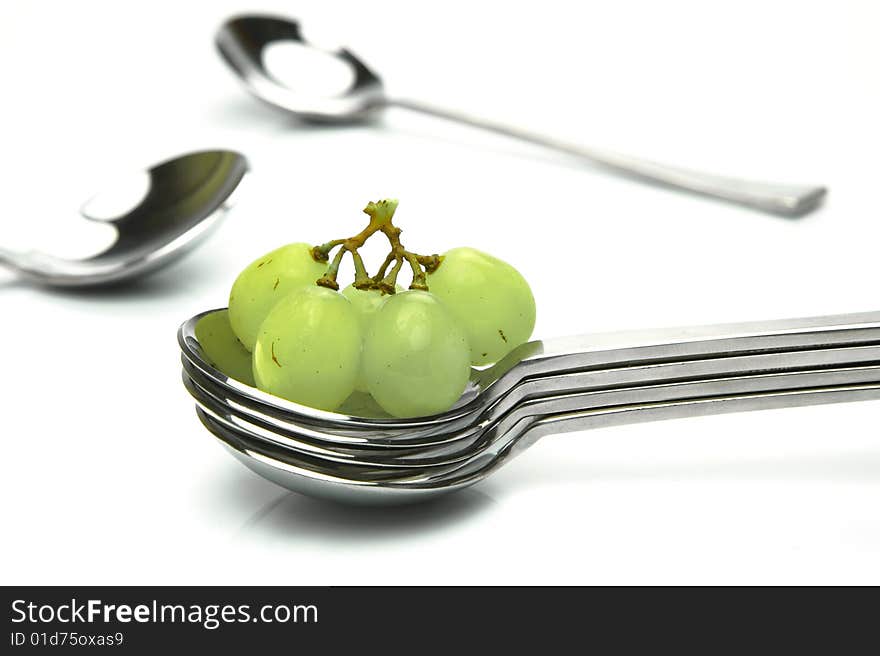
(222, 348)
(264, 282)
(366, 303)
(416, 358)
(308, 349)
(489, 298)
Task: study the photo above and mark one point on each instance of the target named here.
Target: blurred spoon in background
(158, 216)
(243, 40)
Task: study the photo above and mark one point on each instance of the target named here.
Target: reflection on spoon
(158, 216)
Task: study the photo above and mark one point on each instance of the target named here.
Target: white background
(107, 476)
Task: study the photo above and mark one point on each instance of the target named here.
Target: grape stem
(381, 214)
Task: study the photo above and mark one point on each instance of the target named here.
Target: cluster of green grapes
(411, 350)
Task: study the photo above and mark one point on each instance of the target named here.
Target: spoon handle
(620, 349)
(784, 199)
(696, 407)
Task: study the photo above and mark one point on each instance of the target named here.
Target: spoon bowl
(243, 41)
(158, 216)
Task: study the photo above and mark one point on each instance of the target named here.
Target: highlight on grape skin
(308, 349)
(416, 359)
(490, 299)
(372, 349)
(264, 282)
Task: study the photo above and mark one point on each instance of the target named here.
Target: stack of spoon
(540, 388)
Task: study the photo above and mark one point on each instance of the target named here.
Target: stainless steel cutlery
(541, 388)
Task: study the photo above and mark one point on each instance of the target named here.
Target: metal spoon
(808, 361)
(242, 40)
(321, 478)
(178, 202)
(548, 367)
(460, 445)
